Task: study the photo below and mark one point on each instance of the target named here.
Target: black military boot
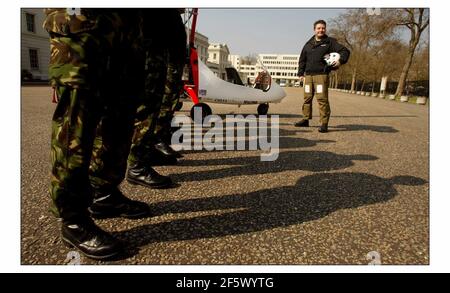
(158, 158)
(323, 128)
(114, 204)
(166, 149)
(144, 175)
(89, 239)
(302, 123)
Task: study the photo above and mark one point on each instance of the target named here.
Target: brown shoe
(302, 123)
(323, 128)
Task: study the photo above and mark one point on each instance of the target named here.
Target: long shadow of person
(287, 139)
(361, 127)
(312, 197)
(314, 161)
(280, 115)
(284, 143)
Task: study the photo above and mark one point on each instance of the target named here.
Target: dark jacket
(311, 59)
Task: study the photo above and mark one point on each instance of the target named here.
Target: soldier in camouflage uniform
(161, 59)
(95, 67)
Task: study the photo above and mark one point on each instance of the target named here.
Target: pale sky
(256, 30)
(260, 30)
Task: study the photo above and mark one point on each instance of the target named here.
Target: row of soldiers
(116, 75)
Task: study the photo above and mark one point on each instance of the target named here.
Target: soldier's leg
(73, 131)
(78, 62)
(112, 143)
(109, 161)
(308, 97)
(75, 119)
(113, 140)
(143, 142)
(321, 90)
(171, 97)
(176, 58)
(149, 105)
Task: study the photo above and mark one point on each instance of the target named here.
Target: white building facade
(250, 71)
(218, 54)
(201, 42)
(35, 44)
(235, 61)
(282, 68)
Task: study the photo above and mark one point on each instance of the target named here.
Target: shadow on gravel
(287, 139)
(280, 115)
(358, 127)
(313, 161)
(312, 197)
(374, 116)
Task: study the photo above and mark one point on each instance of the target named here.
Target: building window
(34, 61)
(215, 55)
(30, 22)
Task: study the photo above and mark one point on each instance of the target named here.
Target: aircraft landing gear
(263, 109)
(205, 109)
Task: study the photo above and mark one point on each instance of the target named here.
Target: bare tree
(384, 60)
(360, 32)
(420, 66)
(249, 59)
(416, 20)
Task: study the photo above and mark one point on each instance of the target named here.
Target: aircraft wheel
(263, 109)
(178, 106)
(206, 110)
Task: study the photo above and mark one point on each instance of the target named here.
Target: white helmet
(332, 57)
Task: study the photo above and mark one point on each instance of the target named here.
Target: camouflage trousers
(95, 75)
(90, 142)
(149, 104)
(317, 86)
(172, 91)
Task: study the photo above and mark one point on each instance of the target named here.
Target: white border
(10, 126)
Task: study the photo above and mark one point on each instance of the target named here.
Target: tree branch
(420, 17)
(348, 43)
(410, 12)
(425, 25)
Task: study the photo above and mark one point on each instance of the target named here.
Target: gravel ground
(328, 199)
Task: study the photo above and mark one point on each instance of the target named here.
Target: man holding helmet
(319, 56)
